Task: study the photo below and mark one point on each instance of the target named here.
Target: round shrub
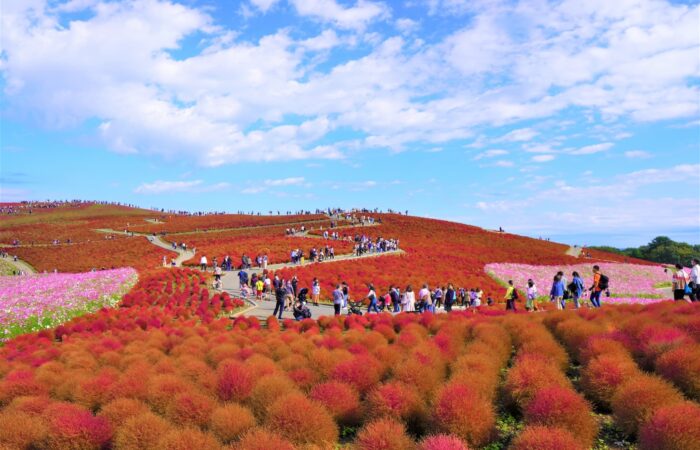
(545, 438)
(230, 421)
(20, 430)
(638, 399)
(530, 374)
(267, 390)
(383, 434)
(260, 439)
(72, 427)
(395, 399)
(601, 377)
(190, 408)
(302, 421)
(140, 432)
(30, 404)
(361, 372)
(187, 439)
(454, 403)
(234, 382)
(340, 400)
(682, 366)
(562, 407)
(119, 410)
(162, 389)
(442, 442)
(672, 427)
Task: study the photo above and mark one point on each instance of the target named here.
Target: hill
(661, 249)
(81, 236)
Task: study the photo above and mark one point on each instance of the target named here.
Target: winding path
(574, 251)
(20, 265)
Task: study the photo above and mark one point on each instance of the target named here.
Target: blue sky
(578, 121)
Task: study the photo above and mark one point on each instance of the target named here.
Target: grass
(663, 285)
(6, 268)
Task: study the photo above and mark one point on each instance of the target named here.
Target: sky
(573, 120)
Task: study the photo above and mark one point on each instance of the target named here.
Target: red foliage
(530, 374)
(302, 421)
(231, 421)
(561, 407)
(118, 411)
(395, 399)
(601, 377)
(361, 372)
(340, 400)
(383, 434)
(235, 381)
(639, 398)
(672, 427)
(21, 430)
(454, 403)
(259, 439)
(139, 432)
(682, 366)
(71, 427)
(187, 439)
(545, 438)
(190, 409)
(442, 442)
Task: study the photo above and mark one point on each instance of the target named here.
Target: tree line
(661, 249)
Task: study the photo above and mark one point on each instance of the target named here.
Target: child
(530, 304)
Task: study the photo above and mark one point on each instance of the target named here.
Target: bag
(571, 287)
(688, 290)
(567, 295)
(603, 283)
(515, 294)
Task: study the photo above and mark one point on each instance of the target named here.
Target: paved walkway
(574, 251)
(182, 255)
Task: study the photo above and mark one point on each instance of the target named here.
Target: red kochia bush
(119, 410)
(638, 398)
(20, 430)
(682, 366)
(454, 403)
(562, 407)
(187, 439)
(259, 439)
(72, 427)
(395, 399)
(190, 409)
(339, 399)
(235, 381)
(530, 374)
(141, 432)
(545, 438)
(383, 434)
(442, 442)
(601, 377)
(672, 428)
(230, 421)
(302, 421)
(361, 372)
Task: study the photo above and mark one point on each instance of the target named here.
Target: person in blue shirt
(243, 278)
(557, 293)
(576, 287)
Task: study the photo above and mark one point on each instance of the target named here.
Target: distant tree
(661, 249)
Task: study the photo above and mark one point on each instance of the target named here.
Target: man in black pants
(280, 293)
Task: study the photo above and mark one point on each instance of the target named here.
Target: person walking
(680, 283)
(409, 300)
(280, 294)
(346, 294)
(511, 296)
(372, 297)
(556, 294)
(531, 296)
(315, 291)
(450, 296)
(337, 299)
(576, 287)
(600, 283)
(203, 263)
(395, 298)
(695, 280)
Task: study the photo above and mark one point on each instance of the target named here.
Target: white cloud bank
(230, 100)
(167, 187)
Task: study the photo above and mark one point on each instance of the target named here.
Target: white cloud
(490, 154)
(354, 17)
(228, 99)
(406, 25)
(504, 163)
(166, 187)
(291, 181)
(264, 5)
(543, 158)
(591, 149)
(637, 154)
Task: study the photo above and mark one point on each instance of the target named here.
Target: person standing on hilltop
(511, 296)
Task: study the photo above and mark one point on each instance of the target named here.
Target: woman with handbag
(680, 284)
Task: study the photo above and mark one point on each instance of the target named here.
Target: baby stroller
(355, 308)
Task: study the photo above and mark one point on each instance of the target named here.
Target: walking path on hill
(574, 251)
(182, 255)
(19, 265)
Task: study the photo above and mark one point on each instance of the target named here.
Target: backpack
(572, 287)
(515, 294)
(603, 283)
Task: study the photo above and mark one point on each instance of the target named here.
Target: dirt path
(574, 251)
(20, 265)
